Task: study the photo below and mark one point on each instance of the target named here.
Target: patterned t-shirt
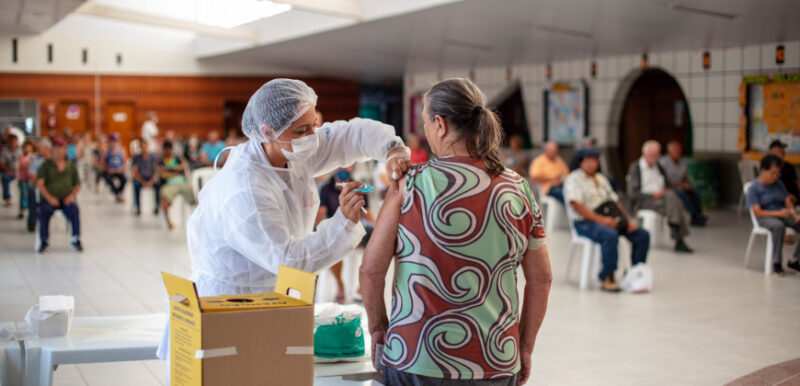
(462, 236)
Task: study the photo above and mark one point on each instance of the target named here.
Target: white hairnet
(277, 104)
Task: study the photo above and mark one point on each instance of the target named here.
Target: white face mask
(303, 148)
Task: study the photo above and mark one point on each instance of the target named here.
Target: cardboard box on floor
(252, 339)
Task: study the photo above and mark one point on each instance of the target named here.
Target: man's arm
(760, 212)
(136, 175)
(538, 276)
(44, 192)
(589, 214)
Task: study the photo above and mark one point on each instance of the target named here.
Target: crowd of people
(456, 222)
(48, 171)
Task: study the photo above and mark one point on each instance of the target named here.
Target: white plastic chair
(553, 209)
(652, 222)
(758, 230)
(200, 177)
(591, 250)
(748, 171)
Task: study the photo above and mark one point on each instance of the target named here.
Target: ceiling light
(704, 12)
(565, 31)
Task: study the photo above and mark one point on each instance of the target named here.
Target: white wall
(712, 94)
(145, 50)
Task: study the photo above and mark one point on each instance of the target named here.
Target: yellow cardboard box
(252, 339)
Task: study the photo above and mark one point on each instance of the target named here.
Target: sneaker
(20, 216)
(681, 247)
(609, 285)
(155, 212)
(137, 211)
(76, 245)
(778, 270)
(31, 228)
(699, 221)
(795, 265)
(43, 246)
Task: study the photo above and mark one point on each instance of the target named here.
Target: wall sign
(73, 112)
(772, 111)
(566, 118)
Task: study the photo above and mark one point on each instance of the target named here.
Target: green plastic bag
(338, 336)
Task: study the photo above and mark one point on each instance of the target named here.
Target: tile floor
(708, 320)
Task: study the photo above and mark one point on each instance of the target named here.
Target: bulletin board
(771, 111)
(566, 113)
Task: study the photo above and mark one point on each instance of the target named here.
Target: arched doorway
(654, 108)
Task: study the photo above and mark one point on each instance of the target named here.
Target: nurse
(258, 212)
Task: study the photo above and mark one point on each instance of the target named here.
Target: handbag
(611, 209)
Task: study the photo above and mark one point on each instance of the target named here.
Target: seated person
(466, 225)
(9, 154)
(211, 149)
(58, 183)
(575, 162)
(43, 152)
(516, 158)
(602, 218)
(172, 171)
(549, 171)
(774, 209)
(788, 173)
(678, 179)
(647, 187)
(145, 176)
(114, 167)
(328, 203)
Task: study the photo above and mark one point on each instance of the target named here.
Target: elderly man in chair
(648, 189)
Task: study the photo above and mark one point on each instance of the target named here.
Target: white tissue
(52, 316)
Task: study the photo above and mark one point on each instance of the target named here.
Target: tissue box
(52, 316)
(249, 339)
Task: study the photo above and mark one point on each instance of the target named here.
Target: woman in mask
(258, 212)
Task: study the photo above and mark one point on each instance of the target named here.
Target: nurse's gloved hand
(397, 163)
(351, 202)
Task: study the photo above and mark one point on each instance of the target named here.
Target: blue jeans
(691, 200)
(7, 178)
(46, 212)
(557, 192)
(137, 193)
(24, 187)
(33, 208)
(608, 239)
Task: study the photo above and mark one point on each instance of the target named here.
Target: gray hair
(650, 143)
(45, 142)
(463, 105)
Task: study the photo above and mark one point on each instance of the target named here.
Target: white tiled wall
(712, 94)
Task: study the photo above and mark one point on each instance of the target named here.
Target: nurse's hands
(351, 202)
(397, 163)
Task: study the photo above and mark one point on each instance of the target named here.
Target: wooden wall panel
(186, 104)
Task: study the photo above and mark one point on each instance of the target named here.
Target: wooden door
(654, 109)
(72, 116)
(121, 119)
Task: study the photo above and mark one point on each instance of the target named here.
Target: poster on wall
(773, 111)
(566, 118)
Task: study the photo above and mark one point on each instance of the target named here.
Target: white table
(10, 358)
(354, 371)
(135, 338)
(91, 340)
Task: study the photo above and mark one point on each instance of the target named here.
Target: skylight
(217, 13)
